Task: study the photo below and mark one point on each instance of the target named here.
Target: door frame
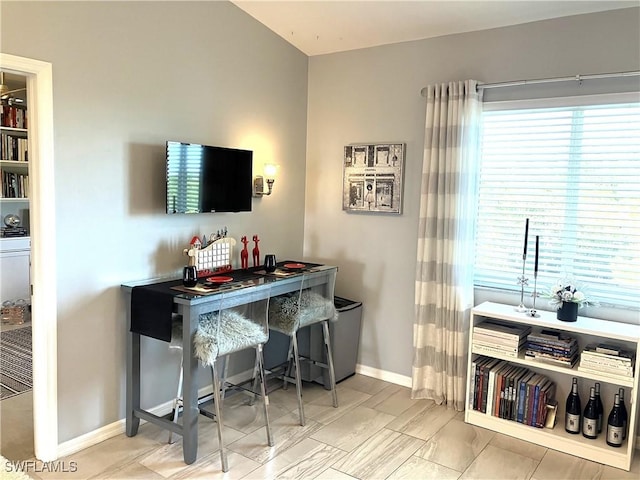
(42, 211)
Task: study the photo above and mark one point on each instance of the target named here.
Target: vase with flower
(567, 297)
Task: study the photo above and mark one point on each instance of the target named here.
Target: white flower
(567, 290)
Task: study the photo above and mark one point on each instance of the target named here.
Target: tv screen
(202, 178)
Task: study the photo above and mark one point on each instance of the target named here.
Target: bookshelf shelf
(585, 330)
(14, 166)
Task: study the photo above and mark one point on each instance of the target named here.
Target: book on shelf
(612, 370)
(512, 406)
(527, 401)
(546, 396)
(502, 330)
(493, 373)
(522, 395)
(605, 373)
(487, 350)
(560, 352)
(13, 116)
(500, 388)
(620, 354)
(484, 384)
(605, 362)
(624, 371)
(483, 339)
(511, 346)
(552, 338)
(608, 349)
(475, 380)
(551, 359)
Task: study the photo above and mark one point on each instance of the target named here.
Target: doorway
(39, 84)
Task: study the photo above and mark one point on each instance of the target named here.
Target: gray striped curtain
(444, 274)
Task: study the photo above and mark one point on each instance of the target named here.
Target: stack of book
(494, 338)
(607, 359)
(6, 232)
(508, 391)
(551, 346)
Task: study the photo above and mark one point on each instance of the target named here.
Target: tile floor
(377, 432)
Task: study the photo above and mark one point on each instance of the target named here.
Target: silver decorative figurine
(522, 281)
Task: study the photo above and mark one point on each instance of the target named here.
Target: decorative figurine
(244, 254)
(196, 243)
(256, 252)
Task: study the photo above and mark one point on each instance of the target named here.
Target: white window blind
(575, 173)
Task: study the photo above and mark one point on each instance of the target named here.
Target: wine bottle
(599, 407)
(573, 410)
(615, 429)
(623, 414)
(590, 417)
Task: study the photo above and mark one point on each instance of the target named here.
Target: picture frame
(373, 178)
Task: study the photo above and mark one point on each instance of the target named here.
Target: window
(574, 171)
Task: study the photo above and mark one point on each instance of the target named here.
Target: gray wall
(373, 96)
(127, 77)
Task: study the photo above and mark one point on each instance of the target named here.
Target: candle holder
(532, 311)
(522, 281)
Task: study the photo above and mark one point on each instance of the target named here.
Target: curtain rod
(577, 78)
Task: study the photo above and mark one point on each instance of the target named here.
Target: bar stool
(289, 313)
(226, 331)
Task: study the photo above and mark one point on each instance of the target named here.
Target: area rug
(15, 362)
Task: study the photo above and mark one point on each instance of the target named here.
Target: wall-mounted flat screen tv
(203, 178)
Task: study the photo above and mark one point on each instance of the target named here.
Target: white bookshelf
(586, 330)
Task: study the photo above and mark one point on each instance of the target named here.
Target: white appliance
(15, 271)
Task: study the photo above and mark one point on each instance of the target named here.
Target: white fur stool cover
(284, 315)
(234, 333)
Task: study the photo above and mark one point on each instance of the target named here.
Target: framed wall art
(372, 179)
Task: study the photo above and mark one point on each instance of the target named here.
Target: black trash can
(345, 339)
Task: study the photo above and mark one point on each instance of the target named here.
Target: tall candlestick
(526, 237)
(535, 267)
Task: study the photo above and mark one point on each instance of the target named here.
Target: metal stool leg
(223, 381)
(254, 384)
(332, 375)
(263, 391)
(178, 400)
(218, 412)
(287, 370)
(296, 360)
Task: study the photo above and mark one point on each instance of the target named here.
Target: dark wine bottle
(590, 417)
(623, 414)
(615, 427)
(573, 410)
(599, 407)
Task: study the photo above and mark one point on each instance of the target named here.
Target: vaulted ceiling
(320, 27)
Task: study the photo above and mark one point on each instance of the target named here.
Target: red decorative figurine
(256, 252)
(244, 254)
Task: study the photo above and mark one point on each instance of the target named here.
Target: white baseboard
(384, 375)
(116, 428)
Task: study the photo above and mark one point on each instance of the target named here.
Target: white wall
(373, 95)
(127, 77)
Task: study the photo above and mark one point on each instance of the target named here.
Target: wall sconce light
(258, 182)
